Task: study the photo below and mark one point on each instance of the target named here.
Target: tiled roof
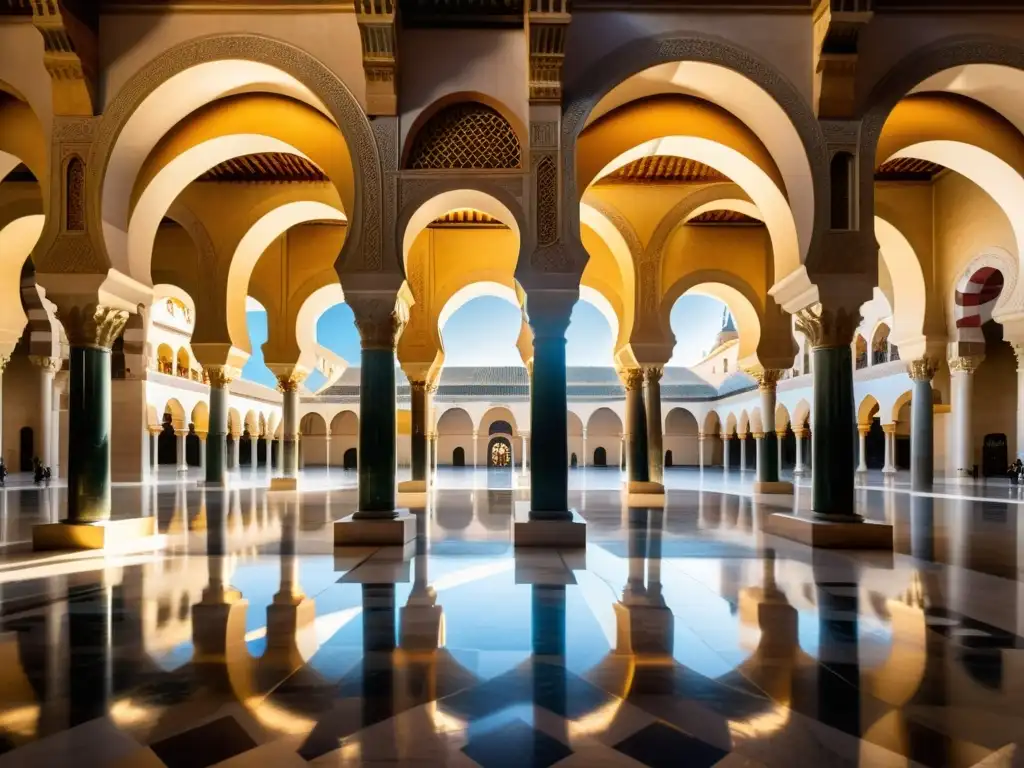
(512, 383)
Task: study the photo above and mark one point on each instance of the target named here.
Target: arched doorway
(350, 459)
(600, 457)
(668, 458)
(459, 457)
(192, 447)
(573, 461)
(499, 453)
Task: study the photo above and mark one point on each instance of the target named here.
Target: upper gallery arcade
(844, 177)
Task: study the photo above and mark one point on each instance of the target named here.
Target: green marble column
(377, 434)
(216, 438)
(637, 467)
(418, 439)
(768, 443)
(548, 314)
(832, 448)
(89, 435)
(655, 445)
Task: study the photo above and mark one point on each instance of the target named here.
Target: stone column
(548, 314)
(700, 450)
(91, 332)
(433, 453)
(637, 465)
(476, 441)
(179, 439)
(220, 377)
(1018, 350)
(862, 451)
(830, 333)
(583, 450)
(202, 451)
(890, 438)
(4, 360)
(799, 469)
(768, 445)
(288, 382)
(380, 327)
(236, 449)
(48, 367)
(526, 451)
(655, 446)
(961, 372)
(154, 446)
(725, 452)
(742, 437)
(419, 407)
(253, 451)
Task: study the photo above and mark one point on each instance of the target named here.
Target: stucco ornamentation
(768, 379)
(93, 325)
(923, 369)
(632, 378)
(363, 241)
(74, 195)
(465, 135)
(965, 363)
(543, 134)
(51, 364)
(826, 328)
(758, 435)
(72, 252)
(653, 374)
(76, 130)
(546, 195)
(290, 382)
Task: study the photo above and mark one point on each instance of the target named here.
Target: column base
(570, 533)
(106, 534)
(830, 534)
(420, 627)
(780, 487)
(388, 532)
(644, 494)
(182, 470)
(284, 484)
(412, 486)
(523, 481)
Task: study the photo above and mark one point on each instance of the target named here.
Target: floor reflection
(682, 636)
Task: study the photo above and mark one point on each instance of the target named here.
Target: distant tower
(728, 332)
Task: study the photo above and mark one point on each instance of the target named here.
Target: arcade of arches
(392, 557)
(862, 230)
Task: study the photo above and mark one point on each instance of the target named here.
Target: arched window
(465, 135)
(500, 427)
(600, 457)
(459, 457)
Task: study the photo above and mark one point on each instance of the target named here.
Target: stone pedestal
(530, 530)
(777, 487)
(284, 484)
(827, 534)
(644, 494)
(104, 534)
(354, 531)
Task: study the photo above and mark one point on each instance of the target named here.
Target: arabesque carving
(221, 376)
(93, 325)
(827, 328)
(923, 369)
(379, 321)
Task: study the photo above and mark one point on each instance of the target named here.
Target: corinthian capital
(93, 325)
(221, 376)
(378, 319)
(290, 381)
(826, 327)
(632, 378)
(768, 378)
(923, 369)
(965, 363)
(51, 364)
(653, 374)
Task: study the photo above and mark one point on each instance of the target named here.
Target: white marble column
(862, 442)
(961, 373)
(725, 452)
(202, 451)
(476, 440)
(180, 435)
(253, 443)
(700, 450)
(4, 360)
(236, 450)
(48, 367)
(890, 448)
(526, 451)
(154, 446)
(327, 451)
(583, 450)
(743, 451)
(1018, 350)
(799, 469)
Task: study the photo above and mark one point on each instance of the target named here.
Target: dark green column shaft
(216, 438)
(922, 430)
(290, 428)
(655, 444)
(418, 394)
(637, 470)
(89, 435)
(834, 434)
(377, 450)
(768, 445)
(549, 448)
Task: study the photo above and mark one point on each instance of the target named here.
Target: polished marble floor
(680, 637)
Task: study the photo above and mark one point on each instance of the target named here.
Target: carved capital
(221, 376)
(4, 360)
(653, 374)
(726, 437)
(864, 429)
(51, 364)
(889, 429)
(828, 328)
(768, 378)
(93, 325)
(548, 312)
(923, 369)
(632, 378)
(1018, 351)
(965, 363)
(290, 382)
(758, 435)
(418, 384)
(379, 321)
(780, 433)
(801, 433)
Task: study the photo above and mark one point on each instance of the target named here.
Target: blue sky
(485, 329)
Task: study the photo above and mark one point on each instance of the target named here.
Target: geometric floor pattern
(680, 637)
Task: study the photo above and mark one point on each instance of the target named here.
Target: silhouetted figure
(40, 474)
(3, 473)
